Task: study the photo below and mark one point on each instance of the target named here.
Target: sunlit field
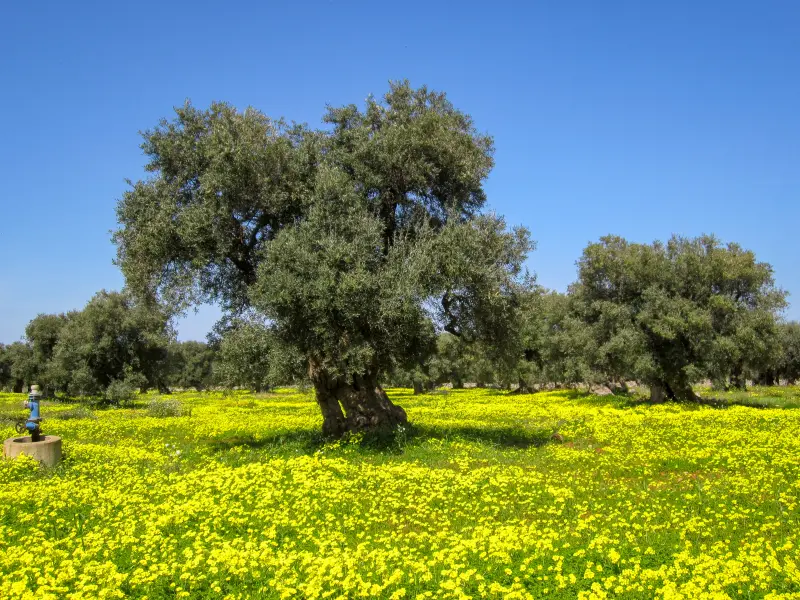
(556, 495)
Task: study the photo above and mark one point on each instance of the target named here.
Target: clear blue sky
(641, 119)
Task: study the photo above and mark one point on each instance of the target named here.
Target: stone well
(47, 450)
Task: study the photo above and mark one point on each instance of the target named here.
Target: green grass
(758, 396)
(238, 496)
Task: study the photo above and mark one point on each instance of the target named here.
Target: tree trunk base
(657, 394)
(677, 391)
(522, 388)
(360, 405)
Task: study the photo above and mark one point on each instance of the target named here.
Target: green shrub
(160, 408)
(120, 392)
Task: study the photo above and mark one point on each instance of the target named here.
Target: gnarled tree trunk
(657, 393)
(352, 404)
(768, 377)
(677, 388)
(738, 380)
(523, 388)
(418, 387)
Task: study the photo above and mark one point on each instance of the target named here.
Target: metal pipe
(35, 418)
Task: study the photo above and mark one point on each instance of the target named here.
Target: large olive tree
(672, 314)
(346, 239)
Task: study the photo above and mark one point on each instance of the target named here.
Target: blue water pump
(35, 418)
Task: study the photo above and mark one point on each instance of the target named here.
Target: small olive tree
(42, 334)
(249, 356)
(555, 343)
(21, 366)
(5, 368)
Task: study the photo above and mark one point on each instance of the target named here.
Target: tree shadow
(504, 437)
(392, 441)
(308, 440)
(715, 402)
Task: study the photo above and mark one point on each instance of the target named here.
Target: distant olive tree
(450, 363)
(113, 340)
(246, 357)
(19, 358)
(42, 335)
(787, 367)
(5, 368)
(672, 314)
(190, 365)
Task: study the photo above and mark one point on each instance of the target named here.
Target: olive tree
(249, 355)
(19, 366)
(450, 362)
(552, 344)
(190, 365)
(113, 341)
(787, 367)
(672, 314)
(42, 334)
(345, 239)
(5, 368)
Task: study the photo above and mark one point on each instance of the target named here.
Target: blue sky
(641, 119)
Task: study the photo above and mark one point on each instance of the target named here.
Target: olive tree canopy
(672, 314)
(113, 341)
(348, 239)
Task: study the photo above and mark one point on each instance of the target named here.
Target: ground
(239, 498)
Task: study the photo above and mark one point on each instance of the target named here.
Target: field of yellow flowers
(237, 497)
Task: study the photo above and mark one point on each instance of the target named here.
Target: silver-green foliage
(348, 240)
(672, 314)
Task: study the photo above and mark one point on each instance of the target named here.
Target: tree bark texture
(418, 387)
(738, 380)
(676, 389)
(657, 393)
(354, 404)
(768, 377)
(522, 388)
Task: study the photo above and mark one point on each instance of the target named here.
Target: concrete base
(47, 450)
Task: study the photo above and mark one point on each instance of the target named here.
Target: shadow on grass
(753, 402)
(393, 441)
(636, 399)
(305, 439)
(505, 437)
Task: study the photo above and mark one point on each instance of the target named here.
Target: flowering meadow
(488, 495)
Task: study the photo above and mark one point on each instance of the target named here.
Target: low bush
(160, 407)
